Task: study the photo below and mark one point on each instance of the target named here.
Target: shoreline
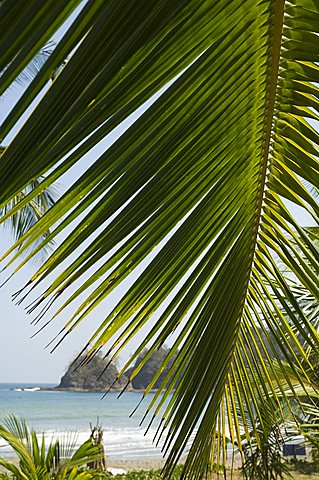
(88, 390)
(57, 388)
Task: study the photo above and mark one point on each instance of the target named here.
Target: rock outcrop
(89, 376)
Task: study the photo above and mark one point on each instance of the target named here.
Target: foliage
(32, 69)
(182, 216)
(26, 217)
(23, 219)
(309, 425)
(144, 475)
(263, 458)
(265, 461)
(304, 466)
(58, 461)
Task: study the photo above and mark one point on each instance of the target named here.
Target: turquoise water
(56, 413)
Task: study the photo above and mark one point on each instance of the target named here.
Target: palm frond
(21, 221)
(187, 205)
(33, 68)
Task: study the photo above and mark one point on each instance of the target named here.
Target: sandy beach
(136, 464)
(127, 465)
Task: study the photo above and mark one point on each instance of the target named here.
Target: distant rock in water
(148, 371)
(86, 377)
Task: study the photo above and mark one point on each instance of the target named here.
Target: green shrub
(303, 466)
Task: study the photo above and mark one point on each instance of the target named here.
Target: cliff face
(86, 377)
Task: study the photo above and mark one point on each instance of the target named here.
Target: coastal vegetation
(187, 218)
(176, 475)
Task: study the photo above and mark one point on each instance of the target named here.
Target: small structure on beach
(97, 439)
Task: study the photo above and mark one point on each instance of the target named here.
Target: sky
(26, 360)
(23, 359)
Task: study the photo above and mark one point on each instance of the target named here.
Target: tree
(202, 175)
(264, 459)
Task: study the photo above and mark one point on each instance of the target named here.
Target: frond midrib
(274, 56)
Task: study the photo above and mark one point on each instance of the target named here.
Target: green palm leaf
(34, 66)
(187, 205)
(20, 222)
(59, 460)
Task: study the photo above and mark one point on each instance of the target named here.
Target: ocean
(58, 413)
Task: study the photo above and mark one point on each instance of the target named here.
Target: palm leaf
(31, 70)
(20, 222)
(186, 208)
(38, 462)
